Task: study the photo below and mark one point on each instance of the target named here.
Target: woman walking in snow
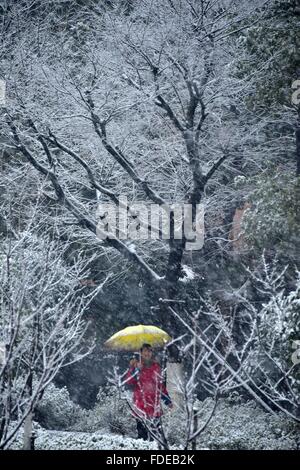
(148, 390)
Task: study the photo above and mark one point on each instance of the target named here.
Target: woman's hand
(133, 362)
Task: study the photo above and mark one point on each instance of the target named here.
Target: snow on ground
(64, 440)
(188, 274)
(236, 425)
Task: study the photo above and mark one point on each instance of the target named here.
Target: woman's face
(146, 355)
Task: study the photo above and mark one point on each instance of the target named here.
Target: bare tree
(178, 74)
(272, 366)
(42, 325)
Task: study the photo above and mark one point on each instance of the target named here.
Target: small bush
(56, 410)
(111, 414)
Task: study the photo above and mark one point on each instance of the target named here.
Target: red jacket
(148, 390)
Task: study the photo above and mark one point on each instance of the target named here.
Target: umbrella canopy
(132, 338)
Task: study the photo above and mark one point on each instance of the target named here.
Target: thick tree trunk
(28, 438)
(174, 266)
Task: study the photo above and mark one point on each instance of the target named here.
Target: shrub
(56, 410)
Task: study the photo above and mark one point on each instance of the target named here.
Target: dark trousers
(143, 433)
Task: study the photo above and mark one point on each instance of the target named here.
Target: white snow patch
(61, 440)
(189, 274)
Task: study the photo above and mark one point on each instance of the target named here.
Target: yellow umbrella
(132, 338)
